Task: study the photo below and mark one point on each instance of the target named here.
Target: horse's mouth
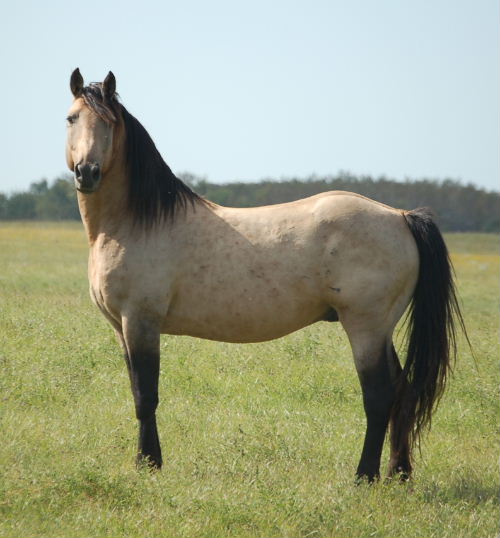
(84, 190)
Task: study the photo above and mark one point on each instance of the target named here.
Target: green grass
(258, 440)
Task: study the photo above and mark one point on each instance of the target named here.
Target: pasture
(258, 439)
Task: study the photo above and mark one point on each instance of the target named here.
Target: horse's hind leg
(142, 340)
(370, 348)
(400, 458)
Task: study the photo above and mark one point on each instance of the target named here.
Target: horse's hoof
(366, 478)
(148, 462)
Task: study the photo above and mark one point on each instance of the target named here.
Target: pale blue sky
(245, 90)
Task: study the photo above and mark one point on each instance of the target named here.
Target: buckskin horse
(164, 260)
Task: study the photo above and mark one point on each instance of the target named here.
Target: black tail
(433, 314)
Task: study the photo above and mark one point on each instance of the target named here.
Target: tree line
(457, 207)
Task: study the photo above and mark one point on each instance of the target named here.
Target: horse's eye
(72, 119)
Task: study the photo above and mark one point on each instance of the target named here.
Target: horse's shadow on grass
(470, 489)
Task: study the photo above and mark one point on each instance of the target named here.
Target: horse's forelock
(106, 109)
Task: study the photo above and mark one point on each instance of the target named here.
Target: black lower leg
(378, 397)
(144, 369)
(400, 458)
(399, 463)
(149, 450)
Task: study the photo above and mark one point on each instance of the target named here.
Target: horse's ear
(76, 83)
(109, 86)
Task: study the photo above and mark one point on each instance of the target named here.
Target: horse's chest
(109, 283)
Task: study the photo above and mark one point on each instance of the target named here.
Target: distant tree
(4, 201)
(57, 202)
(21, 205)
(40, 188)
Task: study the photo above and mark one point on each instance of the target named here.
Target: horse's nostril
(96, 172)
(78, 172)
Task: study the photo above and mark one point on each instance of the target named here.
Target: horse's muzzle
(87, 177)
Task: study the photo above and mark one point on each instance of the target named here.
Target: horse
(164, 260)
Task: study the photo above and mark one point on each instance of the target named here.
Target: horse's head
(91, 123)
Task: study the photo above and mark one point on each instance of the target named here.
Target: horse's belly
(241, 315)
(239, 330)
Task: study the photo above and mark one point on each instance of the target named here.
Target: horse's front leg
(142, 350)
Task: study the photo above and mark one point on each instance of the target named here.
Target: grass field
(258, 440)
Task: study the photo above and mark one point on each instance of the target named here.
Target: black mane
(155, 193)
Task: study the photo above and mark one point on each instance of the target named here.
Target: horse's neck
(105, 211)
